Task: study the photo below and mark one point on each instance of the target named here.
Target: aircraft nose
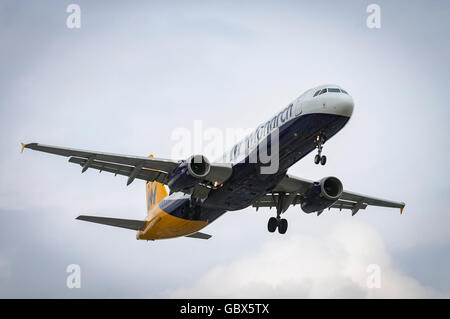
(344, 105)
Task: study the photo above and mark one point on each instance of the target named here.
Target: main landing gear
(277, 222)
(319, 158)
(283, 201)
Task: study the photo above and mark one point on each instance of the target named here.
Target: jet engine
(322, 194)
(189, 172)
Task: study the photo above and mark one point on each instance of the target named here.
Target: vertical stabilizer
(155, 192)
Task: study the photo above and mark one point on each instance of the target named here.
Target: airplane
(201, 191)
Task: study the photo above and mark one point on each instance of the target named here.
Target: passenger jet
(201, 191)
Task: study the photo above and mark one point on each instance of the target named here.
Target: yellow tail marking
(23, 147)
(155, 193)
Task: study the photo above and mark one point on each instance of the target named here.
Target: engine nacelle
(322, 194)
(189, 172)
(198, 166)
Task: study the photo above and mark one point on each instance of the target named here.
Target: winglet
(401, 209)
(23, 147)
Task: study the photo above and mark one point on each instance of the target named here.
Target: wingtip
(401, 208)
(27, 145)
(23, 147)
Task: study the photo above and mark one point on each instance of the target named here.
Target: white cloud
(302, 266)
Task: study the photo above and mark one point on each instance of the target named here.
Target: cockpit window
(333, 90)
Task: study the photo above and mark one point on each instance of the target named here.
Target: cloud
(302, 266)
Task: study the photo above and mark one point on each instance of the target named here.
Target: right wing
(145, 168)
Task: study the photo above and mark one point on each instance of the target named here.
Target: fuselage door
(298, 107)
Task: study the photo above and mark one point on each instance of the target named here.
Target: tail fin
(155, 193)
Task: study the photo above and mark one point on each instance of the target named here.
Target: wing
(291, 190)
(140, 167)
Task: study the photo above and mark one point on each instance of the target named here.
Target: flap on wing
(199, 235)
(116, 222)
(125, 170)
(271, 200)
(351, 196)
(342, 204)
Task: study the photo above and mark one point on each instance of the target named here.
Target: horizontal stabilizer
(199, 235)
(116, 222)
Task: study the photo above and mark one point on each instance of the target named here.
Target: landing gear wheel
(319, 141)
(272, 224)
(282, 226)
(317, 159)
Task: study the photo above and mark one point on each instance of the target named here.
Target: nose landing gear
(319, 141)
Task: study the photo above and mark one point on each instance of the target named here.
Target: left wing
(291, 190)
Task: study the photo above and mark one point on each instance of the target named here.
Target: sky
(136, 72)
